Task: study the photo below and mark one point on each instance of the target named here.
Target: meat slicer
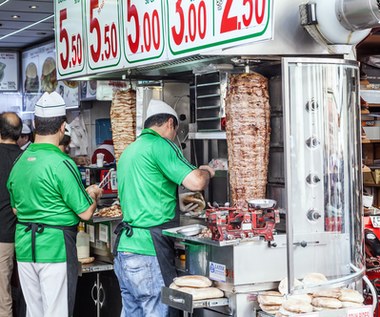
(257, 219)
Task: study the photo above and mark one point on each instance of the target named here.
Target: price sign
(195, 25)
(143, 27)
(102, 27)
(69, 38)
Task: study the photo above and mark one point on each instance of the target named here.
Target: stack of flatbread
(197, 285)
(337, 298)
(281, 304)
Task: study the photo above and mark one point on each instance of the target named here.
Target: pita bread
(270, 298)
(326, 302)
(302, 297)
(270, 309)
(331, 292)
(203, 292)
(192, 281)
(283, 286)
(314, 279)
(195, 198)
(297, 306)
(351, 295)
(351, 304)
(282, 312)
(173, 286)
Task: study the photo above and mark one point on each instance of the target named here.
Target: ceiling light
(33, 7)
(15, 16)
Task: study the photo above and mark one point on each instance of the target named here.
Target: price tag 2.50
(102, 33)
(143, 29)
(70, 37)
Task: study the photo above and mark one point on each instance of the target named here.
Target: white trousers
(44, 286)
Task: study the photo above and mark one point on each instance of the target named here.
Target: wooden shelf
(370, 185)
(367, 141)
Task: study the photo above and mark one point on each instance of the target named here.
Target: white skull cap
(50, 105)
(25, 129)
(159, 107)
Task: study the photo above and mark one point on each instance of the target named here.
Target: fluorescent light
(27, 27)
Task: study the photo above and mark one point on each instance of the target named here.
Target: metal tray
(191, 230)
(184, 301)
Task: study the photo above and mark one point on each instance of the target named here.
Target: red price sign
(196, 25)
(143, 30)
(190, 24)
(103, 34)
(69, 38)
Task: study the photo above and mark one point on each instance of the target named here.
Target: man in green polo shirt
(149, 172)
(48, 198)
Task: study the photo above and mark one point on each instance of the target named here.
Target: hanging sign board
(103, 35)
(70, 38)
(122, 34)
(143, 31)
(8, 71)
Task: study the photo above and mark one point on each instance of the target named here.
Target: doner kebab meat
(123, 120)
(248, 136)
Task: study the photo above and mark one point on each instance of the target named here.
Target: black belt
(39, 228)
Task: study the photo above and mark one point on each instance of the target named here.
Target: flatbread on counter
(351, 295)
(326, 302)
(297, 306)
(270, 298)
(192, 281)
(202, 292)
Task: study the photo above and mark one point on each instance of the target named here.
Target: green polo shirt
(148, 174)
(45, 187)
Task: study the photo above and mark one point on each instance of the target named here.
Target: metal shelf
(211, 135)
(208, 96)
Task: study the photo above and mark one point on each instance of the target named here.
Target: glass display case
(323, 170)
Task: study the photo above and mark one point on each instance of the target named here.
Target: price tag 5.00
(70, 37)
(143, 29)
(103, 33)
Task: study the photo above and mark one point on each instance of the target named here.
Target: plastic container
(83, 242)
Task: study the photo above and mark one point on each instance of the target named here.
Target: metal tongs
(106, 178)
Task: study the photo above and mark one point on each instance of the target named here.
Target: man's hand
(191, 201)
(94, 191)
(209, 169)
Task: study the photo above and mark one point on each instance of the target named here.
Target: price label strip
(102, 27)
(196, 25)
(143, 30)
(69, 38)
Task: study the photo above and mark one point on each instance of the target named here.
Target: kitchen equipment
(191, 230)
(229, 223)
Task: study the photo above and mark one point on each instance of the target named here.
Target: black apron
(70, 236)
(164, 247)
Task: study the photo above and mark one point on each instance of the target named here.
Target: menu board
(121, 34)
(39, 75)
(9, 71)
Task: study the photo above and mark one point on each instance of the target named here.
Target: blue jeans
(140, 281)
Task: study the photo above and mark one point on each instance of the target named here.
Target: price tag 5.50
(143, 28)
(69, 41)
(103, 33)
(190, 23)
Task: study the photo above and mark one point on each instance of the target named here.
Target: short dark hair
(10, 126)
(159, 120)
(48, 126)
